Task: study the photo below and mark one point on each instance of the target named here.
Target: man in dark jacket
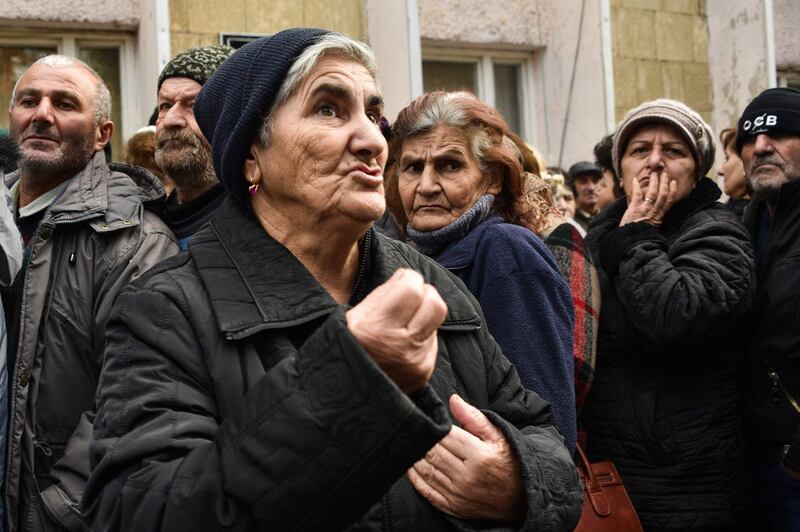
(86, 234)
(768, 140)
(182, 152)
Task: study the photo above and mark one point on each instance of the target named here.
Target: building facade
(563, 72)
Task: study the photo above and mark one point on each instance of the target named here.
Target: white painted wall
(787, 36)
(393, 34)
(737, 54)
(584, 113)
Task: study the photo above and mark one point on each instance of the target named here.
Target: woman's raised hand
(396, 324)
(652, 204)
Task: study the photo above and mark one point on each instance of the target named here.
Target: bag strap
(594, 491)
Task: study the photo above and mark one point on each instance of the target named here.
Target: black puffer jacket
(770, 418)
(234, 397)
(664, 405)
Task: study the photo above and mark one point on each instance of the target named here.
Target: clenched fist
(396, 324)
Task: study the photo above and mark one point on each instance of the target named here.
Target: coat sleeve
(71, 472)
(317, 440)
(10, 240)
(681, 290)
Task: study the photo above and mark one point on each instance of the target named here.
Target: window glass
(507, 94)
(14, 60)
(105, 60)
(445, 75)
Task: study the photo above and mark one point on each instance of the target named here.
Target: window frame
(68, 42)
(485, 59)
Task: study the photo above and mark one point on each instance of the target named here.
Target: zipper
(777, 387)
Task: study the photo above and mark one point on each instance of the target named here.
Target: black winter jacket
(664, 404)
(770, 418)
(234, 397)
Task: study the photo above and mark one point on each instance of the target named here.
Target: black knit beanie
(196, 63)
(772, 111)
(233, 103)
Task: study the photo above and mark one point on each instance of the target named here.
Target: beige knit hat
(677, 114)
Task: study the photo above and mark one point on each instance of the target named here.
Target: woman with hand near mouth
(456, 187)
(676, 279)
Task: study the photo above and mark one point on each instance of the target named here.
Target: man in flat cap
(584, 179)
(182, 152)
(768, 139)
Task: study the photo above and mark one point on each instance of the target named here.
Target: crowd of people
(283, 312)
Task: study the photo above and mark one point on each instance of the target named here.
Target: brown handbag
(606, 505)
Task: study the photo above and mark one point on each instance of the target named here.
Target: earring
(252, 189)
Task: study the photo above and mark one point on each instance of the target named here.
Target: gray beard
(190, 167)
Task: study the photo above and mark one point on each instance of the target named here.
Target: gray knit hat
(196, 63)
(674, 113)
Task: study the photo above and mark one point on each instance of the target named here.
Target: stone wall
(660, 49)
(114, 13)
(199, 22)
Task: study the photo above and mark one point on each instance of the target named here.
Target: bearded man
(87, 233)
(182, 152)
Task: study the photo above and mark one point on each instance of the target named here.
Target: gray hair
(331, 43)
(102, 100)
(446, 108)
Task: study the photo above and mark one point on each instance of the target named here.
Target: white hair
(102, 100)
(331, 43)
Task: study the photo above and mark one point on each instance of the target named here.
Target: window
(502, 80)
(789, 79)
(109, 55)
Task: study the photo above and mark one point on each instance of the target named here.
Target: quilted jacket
(234, 397)
(665, 401)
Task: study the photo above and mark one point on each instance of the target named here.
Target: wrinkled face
(326, 153)
(182, 151)
(771, 161)
(605, 190)
(52, 119)
(586, 186)
(658, 148)
(732, 173)
(439, 179)
(565, 202)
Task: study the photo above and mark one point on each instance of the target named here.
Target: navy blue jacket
(527, 306)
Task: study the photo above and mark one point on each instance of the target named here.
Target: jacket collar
(99, 193)
(254, 283)
(461, 254)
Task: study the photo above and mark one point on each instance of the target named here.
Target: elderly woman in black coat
(288, 371)
(676, 277)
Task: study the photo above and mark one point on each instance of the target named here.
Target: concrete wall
(787, 36)
(109, 13)
(199, 22)
(514, 22)
(737, 50)
(661, 50)
(393, 34)
(583, 114)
